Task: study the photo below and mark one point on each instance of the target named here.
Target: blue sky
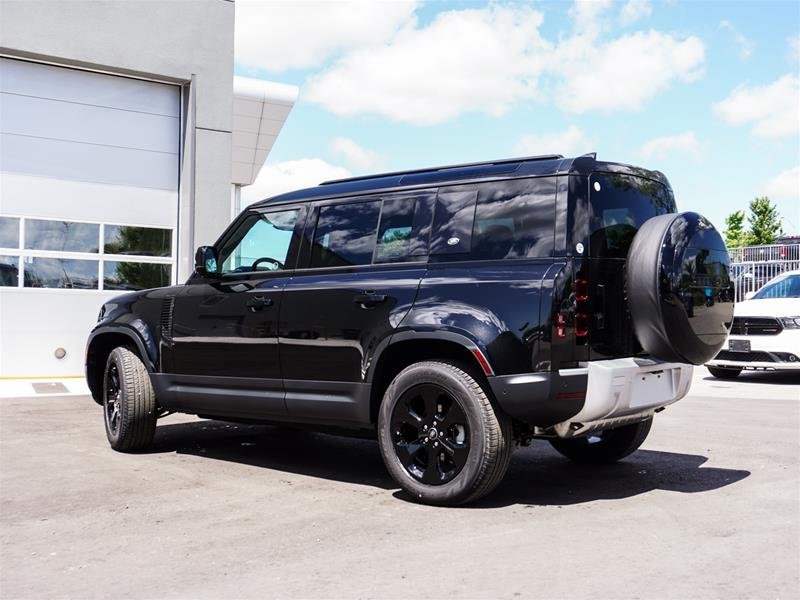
(707, 92)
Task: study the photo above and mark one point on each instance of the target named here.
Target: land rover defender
(455, 312)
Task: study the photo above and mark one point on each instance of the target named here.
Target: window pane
(261, 243)
(9, 232)
(61, 235)
(452, 222)
(620, 205)
(345, 234)
(60, 273)
(144, 241)
(515, 219)
(9, 271)
(134, 275)
(404, 230)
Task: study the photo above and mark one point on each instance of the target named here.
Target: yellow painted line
(12, 377)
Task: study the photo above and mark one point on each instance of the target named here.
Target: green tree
(765, 222)
(735, 235)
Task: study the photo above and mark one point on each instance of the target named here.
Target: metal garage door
(89, 166)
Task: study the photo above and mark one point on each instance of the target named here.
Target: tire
(725, 372)
(606, 446)
(679, 289)
(129, 402)
(440, 437)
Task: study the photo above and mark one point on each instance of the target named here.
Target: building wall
(186, 43)
(177, 41)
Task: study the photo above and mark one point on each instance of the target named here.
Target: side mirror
(749, 295)
(205, 260)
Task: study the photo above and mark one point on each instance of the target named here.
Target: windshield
(785, 287)
(620, 204)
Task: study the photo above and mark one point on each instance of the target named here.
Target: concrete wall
(178, 41)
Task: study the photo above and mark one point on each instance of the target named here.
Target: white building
(124, 138)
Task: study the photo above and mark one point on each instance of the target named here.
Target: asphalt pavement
(708, 508)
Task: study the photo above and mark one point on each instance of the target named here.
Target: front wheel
(606, 446)
(129, 402)
(725, 372)
(440, 437)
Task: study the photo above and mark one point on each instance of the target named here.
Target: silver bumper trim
(626, 390)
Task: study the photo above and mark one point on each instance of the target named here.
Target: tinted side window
(515, 219)
(345, 234)
(404, 229)
(452, 220)
(620, 204)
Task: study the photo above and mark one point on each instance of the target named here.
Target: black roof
(532, 166)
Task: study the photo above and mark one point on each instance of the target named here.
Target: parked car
(749, 277)
(766, 330)
(455, 312)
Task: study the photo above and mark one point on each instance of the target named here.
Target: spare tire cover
(679, 288)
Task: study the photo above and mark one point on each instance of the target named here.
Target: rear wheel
(604, 446)
(129, 402)
(440, 437)
(725, 372)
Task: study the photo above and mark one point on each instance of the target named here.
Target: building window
(9, 232)
(143, 241)
(68, 273)
(119, 275)
(48, 253)
(9, 271)
(61, 236)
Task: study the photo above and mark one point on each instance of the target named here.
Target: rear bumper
(601, 395)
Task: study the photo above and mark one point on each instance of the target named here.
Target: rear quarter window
(620, 204)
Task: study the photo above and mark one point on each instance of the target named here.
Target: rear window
(620, 204)
(345, 234)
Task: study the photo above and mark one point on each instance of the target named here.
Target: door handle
(369, 298)
(255, 303)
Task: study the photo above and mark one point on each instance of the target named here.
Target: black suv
(455, 311)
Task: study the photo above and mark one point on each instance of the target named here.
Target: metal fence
(774, 252)
(753, 266)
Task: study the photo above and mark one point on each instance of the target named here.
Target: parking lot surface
(710, 507)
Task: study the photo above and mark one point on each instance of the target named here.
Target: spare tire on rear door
(679, 288)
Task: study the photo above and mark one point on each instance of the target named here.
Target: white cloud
(624, 73)
(770, 110)
(745, 45)
(589, 15)
(464, 61)
(291, 35)
(684, 143)
(794, 47)
(289, 176)
(635, 10)
(785, 185)
(355, 155)
(485, 60)
(570, 142)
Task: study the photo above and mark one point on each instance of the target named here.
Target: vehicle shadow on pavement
(538, 475)
(287, 449)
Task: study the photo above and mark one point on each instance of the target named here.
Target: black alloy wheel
(113, 399)
(440, 436)
(130, 410)
(430, 432)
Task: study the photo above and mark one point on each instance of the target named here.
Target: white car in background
(766, 330)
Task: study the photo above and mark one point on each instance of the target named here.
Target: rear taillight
(578, 317)
(581, 309)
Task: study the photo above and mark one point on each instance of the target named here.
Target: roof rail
(445, 168)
